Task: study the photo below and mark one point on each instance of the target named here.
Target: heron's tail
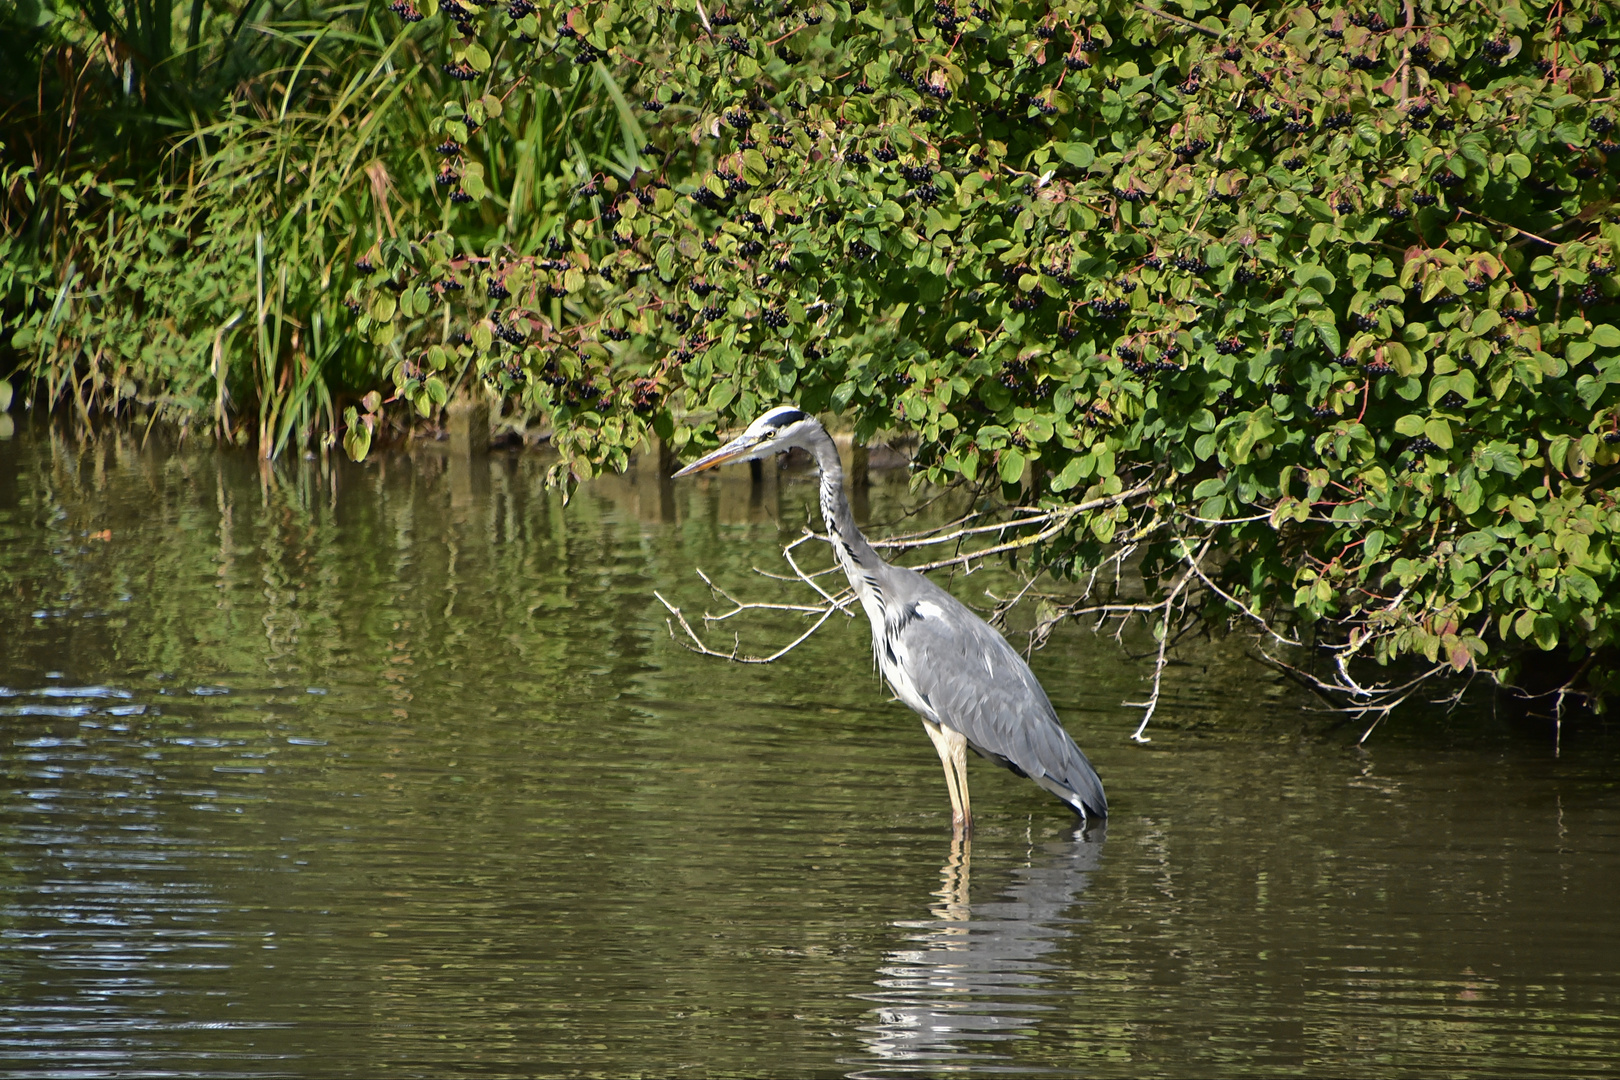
(1079, 786)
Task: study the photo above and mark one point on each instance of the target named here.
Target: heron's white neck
(855, 555)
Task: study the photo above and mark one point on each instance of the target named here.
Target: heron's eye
(771, 433)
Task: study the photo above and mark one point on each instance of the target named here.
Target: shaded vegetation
(182, 222)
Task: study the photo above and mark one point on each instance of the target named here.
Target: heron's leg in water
(952, 748)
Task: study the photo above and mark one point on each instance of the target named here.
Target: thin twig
(1230, 599)
(1060, 521)
(736, 653)
(1152, 703)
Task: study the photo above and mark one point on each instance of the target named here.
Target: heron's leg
(942, 739)
(959, 763)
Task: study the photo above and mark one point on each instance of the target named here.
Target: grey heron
(971, 688)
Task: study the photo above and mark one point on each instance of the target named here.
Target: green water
(395, 770)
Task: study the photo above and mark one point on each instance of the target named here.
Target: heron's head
(780, 429)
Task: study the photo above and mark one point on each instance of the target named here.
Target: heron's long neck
(854, 553)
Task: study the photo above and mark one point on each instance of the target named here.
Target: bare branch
(740, 606)
(1169, 603)
(736, 653)
(1060, 521)
(1263, 623)
(925, 539)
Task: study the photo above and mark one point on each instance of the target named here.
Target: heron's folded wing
(978, 684)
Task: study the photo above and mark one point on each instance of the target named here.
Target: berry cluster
(507, 332)
(645, 395)
(1422, 445)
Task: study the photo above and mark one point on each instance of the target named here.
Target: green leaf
(1546, 632)
(1469, 495)
(1409, 425)
(1328, 334)
(1011, 467)
(1317, 277)
(1073, 472)
(1605, 336)
(1079, 155)
(1439, 430)
(357, 437)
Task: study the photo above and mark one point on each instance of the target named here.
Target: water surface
(340, 770)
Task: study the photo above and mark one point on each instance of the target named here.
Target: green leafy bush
(1332, 284)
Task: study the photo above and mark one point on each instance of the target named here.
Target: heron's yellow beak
(734, 450)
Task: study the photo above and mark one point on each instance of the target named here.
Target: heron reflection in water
(975, 973)
(971, 688)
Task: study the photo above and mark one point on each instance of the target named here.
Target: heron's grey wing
(978, 684)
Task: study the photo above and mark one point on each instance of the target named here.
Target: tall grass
(198, 278)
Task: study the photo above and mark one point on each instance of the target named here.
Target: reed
(181, 254)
